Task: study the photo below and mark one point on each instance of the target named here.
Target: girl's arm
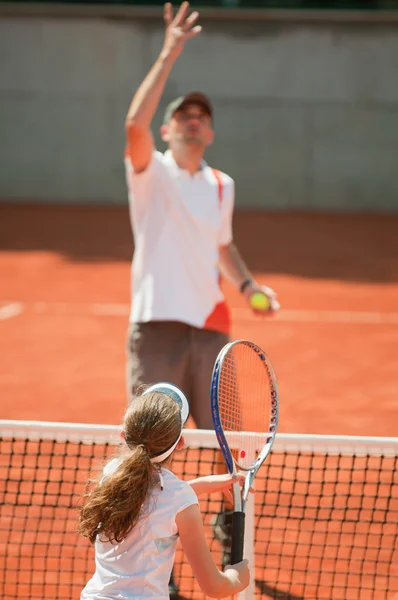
(212, 581)
(214, 483)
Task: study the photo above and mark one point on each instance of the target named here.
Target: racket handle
(238, 535)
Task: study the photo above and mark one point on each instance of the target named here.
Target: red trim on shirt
(219, 319)
(217, 175)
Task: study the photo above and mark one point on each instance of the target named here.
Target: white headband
(178, 396)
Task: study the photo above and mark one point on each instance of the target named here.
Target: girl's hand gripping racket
(244, 406)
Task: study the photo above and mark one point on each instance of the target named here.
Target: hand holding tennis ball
(261, 298)
(260, 301)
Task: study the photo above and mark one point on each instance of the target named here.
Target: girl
(137, 511)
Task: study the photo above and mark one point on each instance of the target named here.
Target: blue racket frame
(240, 497)
(215, 413)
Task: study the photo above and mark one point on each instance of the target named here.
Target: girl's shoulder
(180, 492)
(172, 479)
(111, 467)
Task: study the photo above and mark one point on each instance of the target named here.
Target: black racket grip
(238, 535)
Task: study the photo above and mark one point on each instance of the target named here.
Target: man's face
(190, 124)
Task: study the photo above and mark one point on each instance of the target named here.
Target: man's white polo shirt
(179, 222)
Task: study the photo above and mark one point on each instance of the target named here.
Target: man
(181, 214)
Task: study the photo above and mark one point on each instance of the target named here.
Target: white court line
(285, 315)
(12, 309)
(337, 316)
(110, 309)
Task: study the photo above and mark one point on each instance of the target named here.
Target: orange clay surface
(64, 303)
(64, 299)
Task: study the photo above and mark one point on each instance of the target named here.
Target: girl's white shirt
(139, 567)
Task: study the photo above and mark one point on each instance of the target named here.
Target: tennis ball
(260, 301)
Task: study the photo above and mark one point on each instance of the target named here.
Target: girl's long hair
(151, 425)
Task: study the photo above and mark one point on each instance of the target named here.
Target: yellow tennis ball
(260, 301)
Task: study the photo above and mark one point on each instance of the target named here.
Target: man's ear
(122, 435)
(164, 132)
(181, 443)
(210, 138)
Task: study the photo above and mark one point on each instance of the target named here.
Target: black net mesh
(326, 525)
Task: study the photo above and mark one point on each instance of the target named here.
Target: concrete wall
(306, 115)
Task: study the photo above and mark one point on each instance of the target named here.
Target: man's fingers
(269, 292)
(190, 21)
(275, 306)
(181, 14)
(193, 32)
(168, 13)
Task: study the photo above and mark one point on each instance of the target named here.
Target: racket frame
(241, 496)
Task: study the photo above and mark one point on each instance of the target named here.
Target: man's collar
(170, 158)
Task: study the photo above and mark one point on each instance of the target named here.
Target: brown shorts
(177, 353)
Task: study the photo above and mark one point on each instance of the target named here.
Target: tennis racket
(244, 406)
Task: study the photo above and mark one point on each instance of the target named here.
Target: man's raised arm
(144, 104)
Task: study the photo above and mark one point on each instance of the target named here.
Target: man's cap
(191, 98)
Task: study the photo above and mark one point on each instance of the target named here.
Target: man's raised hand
(179, 28)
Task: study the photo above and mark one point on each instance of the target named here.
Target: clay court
(65, 301)
(64, 313)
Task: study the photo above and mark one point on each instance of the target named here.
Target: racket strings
(245, 395)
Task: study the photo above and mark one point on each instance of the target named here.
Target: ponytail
(114, 504)
(151, 425)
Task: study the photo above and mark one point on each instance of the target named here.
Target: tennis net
(323, 522)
